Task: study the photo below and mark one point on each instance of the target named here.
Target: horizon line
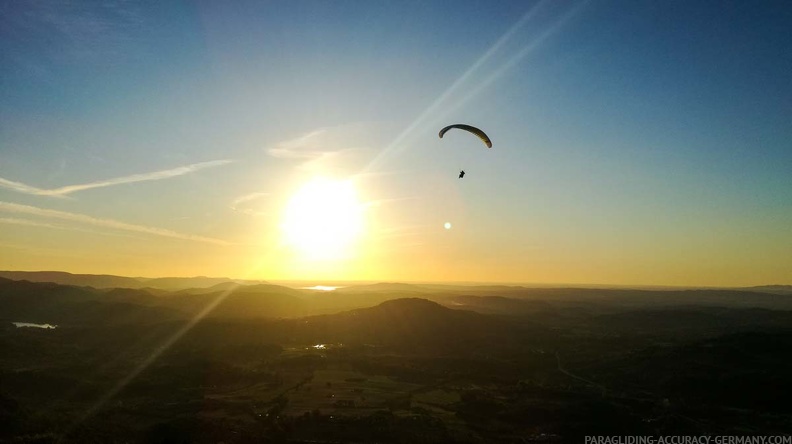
(524, 284)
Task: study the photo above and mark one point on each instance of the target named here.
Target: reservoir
(28, 324)
(321, 288)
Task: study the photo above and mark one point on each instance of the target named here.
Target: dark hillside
(42, 302)
(242, 302)
(416, 325)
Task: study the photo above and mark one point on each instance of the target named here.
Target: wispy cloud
(306, 146)
(31, 223)
(240, 203)
(338, 148)
(314, 149)
(34, 223)
(13, 208)
(144, 177)
(19, 187)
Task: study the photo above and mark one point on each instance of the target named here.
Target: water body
(321, 288)
(28, 324)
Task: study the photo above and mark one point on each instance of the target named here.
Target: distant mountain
(775, 289)
(512, 299)
(80, 280)
(111, 281)
(389, 287)
(221, 287)
(495, 304)
(242, 302)
(634, 298)
(412, 309)
(390, 312)
(179, 283)
(394, 287)
(46, 302)
(411, 324)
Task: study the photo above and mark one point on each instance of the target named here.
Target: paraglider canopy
(471, 129)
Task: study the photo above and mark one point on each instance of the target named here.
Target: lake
(28, 324)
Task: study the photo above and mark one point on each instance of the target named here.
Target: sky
(634, 142)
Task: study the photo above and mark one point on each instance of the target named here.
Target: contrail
(144, 177)
(107, 223)
(19, 187)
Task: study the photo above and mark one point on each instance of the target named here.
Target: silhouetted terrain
(389, 363)
(110, 281)
(778, 289)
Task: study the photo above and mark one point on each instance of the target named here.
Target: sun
(323, 220)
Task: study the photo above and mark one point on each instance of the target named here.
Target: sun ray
(432, 110)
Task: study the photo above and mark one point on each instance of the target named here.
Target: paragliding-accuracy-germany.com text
(681, 439)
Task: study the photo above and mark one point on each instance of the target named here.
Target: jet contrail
(107, 223)
(144, 177)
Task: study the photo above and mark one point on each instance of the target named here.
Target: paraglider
(471, 129)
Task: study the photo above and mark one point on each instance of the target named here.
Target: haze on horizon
(634, 143)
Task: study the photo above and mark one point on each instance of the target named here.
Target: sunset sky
(634, 142)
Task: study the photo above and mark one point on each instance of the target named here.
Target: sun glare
(323, 220)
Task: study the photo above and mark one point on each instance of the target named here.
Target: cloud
(237, 204)
(342, 148)
(306, 146)
(31, 223)
(157, 175)
(19, 187)
(105, 223)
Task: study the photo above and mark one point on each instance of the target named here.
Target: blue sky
(635, 142)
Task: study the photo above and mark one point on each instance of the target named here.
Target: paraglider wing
(471, 129)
